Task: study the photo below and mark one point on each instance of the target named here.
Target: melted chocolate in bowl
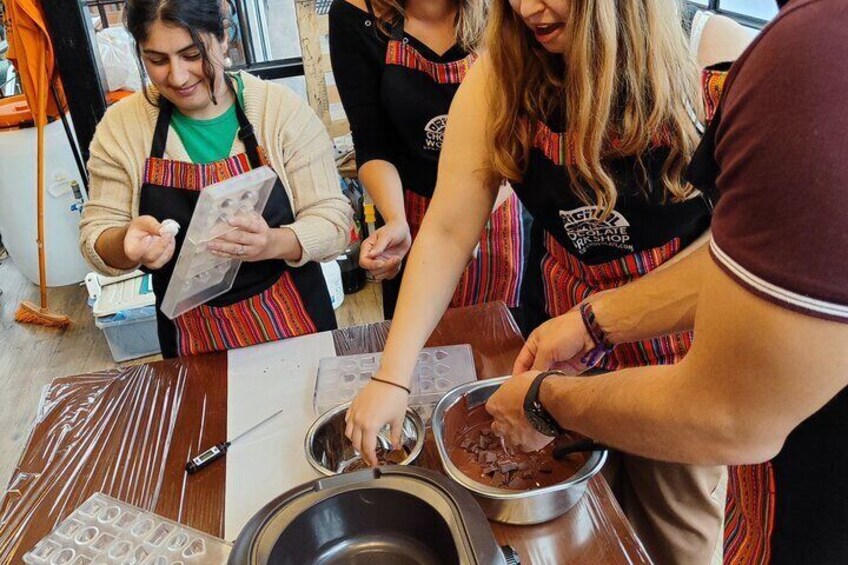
(482, 457)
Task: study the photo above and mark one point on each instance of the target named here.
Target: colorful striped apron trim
(568, 281)
(191, 176)
(712, 85)
(553, 145)
(401, 54)
(495, 274)
(277, 313)
(558, 148)
(749, 514)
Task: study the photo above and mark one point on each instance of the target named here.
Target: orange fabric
(31, 52)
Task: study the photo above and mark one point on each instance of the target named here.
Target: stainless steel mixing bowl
(508, 506)
(330, 452)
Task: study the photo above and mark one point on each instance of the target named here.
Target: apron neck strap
(246, 132)
(160, 134)
(397, 30)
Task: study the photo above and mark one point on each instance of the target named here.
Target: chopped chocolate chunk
(508, 467)
(515, 482)
(523, 466)
(485, 431)
(482, 441)
(490, 470)
(481, 456)
(466, 443)
(498, 479)
(490, 457)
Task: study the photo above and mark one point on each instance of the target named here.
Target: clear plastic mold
(108, 531)
(438, 370)
(198, 275)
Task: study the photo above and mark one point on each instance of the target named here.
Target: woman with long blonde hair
(398, 65)
(589, 108)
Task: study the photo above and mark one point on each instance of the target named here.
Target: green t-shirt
(210, 140)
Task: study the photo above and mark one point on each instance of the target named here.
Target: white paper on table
(262, 380)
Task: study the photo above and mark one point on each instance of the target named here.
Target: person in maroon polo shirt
(766, 377)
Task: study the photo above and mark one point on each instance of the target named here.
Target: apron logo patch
(585, 231)
(434, 133)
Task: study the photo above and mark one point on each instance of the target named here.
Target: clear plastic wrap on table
(198, 275)
(438, 370)
(126, 433)
(108, 531)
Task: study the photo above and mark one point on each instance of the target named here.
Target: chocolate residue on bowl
(384, 457)
(481, 456)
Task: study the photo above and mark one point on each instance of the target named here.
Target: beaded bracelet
(391, 383)
(599, 338)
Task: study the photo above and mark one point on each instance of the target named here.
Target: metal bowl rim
(589, 469)
(329, 414)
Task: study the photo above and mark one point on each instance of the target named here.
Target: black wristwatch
(536, 414)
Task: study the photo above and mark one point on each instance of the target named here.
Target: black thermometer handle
(207, 457)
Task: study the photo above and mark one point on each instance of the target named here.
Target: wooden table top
(129, 433)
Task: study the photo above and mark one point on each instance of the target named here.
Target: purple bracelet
(599, 338)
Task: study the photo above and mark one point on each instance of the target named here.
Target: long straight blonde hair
(470, 19)
(625, 82)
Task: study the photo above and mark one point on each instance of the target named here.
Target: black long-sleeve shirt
(384, 117)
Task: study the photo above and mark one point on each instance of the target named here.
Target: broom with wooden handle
(29, 312)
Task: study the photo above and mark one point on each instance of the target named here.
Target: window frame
(715, 6)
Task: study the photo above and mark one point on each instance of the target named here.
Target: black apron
(572, 254)
(302, 294)
(417, 91)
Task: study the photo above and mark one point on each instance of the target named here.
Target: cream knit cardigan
(294, 140)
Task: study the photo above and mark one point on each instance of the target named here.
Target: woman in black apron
(396, 91)
(602, 177)
(273, 296)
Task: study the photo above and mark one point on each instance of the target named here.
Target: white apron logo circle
(434, 133)
(585, 230)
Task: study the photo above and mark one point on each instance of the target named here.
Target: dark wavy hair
(195, 16)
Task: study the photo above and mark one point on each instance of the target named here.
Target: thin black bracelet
(391, 383)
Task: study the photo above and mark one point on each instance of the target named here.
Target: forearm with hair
(659, 303)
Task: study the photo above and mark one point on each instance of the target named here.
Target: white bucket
(18, 212)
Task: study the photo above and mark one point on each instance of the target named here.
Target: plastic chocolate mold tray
(198, 275)
(438, 370)
(108, 531)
